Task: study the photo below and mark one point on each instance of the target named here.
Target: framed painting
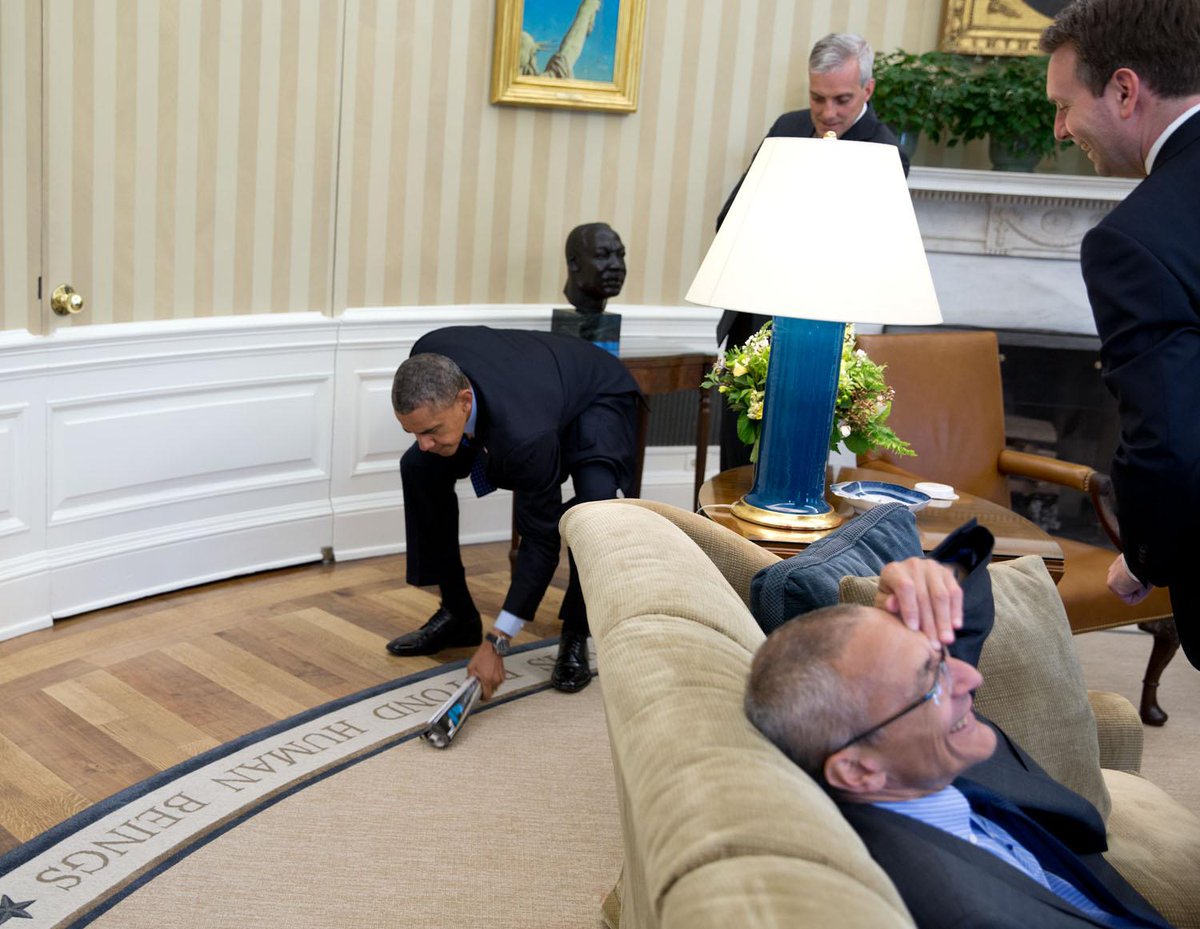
(994, 27)
(579, 54)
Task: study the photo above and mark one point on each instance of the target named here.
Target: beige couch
(721, 830)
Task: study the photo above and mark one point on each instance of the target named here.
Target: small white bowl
(936, 491)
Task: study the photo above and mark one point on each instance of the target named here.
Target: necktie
(1034, 849)
(479, 478)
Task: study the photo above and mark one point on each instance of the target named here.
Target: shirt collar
(947, 810)
(469, 428)
(1166, 134)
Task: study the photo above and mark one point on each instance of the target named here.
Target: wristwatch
(499, 643)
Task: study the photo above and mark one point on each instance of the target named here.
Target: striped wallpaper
(213, 157)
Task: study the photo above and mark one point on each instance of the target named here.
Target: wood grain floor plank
(132, 719)
(344, 639)
(286, 649)
(81, 755)
(34, 797)
(248, 676)
(201, 701)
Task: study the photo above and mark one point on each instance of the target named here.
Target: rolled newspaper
(448, 718)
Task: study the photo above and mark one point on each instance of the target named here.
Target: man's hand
(488, 667)
(1122, 582)
(925, 595)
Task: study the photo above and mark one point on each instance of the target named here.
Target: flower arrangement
(864, 399)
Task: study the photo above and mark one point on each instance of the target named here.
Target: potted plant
(1004, 100)
(864, 400)
(909, 93)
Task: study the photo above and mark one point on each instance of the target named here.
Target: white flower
(844, 430)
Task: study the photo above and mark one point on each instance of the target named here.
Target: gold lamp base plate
(795, 521)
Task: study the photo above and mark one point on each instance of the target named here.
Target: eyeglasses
(934, 693)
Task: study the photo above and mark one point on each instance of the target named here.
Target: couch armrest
(1119, 730)
(736, 558)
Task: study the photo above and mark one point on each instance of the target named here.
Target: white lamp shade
(821, 229)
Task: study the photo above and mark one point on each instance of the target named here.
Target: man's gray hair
(836, 49)
(426, 380)
(796, 697)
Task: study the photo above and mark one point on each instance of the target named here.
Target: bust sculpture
(595, 266)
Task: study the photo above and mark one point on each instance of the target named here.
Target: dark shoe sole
(570, 685)
(404, 650)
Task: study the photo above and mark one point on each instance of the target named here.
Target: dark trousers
(431, 522)
(1185, 604)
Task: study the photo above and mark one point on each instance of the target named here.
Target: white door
(189, 174)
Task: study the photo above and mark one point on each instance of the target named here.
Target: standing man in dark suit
(1125, 76)
(971, 831)
(523, 411)
(839, 88)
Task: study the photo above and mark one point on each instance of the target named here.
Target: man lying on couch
(872, 703)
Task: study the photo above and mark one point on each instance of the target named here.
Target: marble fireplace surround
(1004, 247)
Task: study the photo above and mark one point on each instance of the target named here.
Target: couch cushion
(810, 579)
(1033, 685)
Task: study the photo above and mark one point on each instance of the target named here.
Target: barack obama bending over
(523, 411)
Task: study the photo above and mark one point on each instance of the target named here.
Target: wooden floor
(101, 701)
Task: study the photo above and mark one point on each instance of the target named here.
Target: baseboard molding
(153, 456)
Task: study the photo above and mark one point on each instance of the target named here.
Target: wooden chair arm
(1084, 478)
(1040, 468)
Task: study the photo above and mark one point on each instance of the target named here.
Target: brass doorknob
(64, 301)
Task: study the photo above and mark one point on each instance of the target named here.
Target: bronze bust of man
(595, 266)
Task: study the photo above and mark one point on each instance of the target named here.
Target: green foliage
(860, 413)
(910, 90)
(960, 98)
(1005, 100)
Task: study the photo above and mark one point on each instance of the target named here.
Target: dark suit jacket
(1141, 265)
(534, 391)
(947, 882)
(797, 124)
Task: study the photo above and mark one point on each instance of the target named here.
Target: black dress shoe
(571, 671)
(443, 630)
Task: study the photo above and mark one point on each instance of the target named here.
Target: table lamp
(821, 233)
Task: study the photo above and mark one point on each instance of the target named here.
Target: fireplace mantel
(1004, 247)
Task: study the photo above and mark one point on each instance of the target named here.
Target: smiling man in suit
(1125, 77)
(523, 411)
(970, 829)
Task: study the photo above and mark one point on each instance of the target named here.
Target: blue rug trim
(35, 846)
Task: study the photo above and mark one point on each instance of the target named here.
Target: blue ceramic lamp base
(802, 379)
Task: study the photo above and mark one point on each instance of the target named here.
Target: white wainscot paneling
(186, 452)
(116, 455)
(24, 577)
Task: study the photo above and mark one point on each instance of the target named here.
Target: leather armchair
(950, 407)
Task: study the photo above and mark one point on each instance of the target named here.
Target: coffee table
(1015, 535)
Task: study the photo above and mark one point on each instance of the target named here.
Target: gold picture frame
(991, 27)
(519, 78)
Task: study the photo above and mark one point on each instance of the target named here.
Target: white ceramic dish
(936, 491)
(865, 495)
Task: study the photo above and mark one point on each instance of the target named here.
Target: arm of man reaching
(947, 596)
